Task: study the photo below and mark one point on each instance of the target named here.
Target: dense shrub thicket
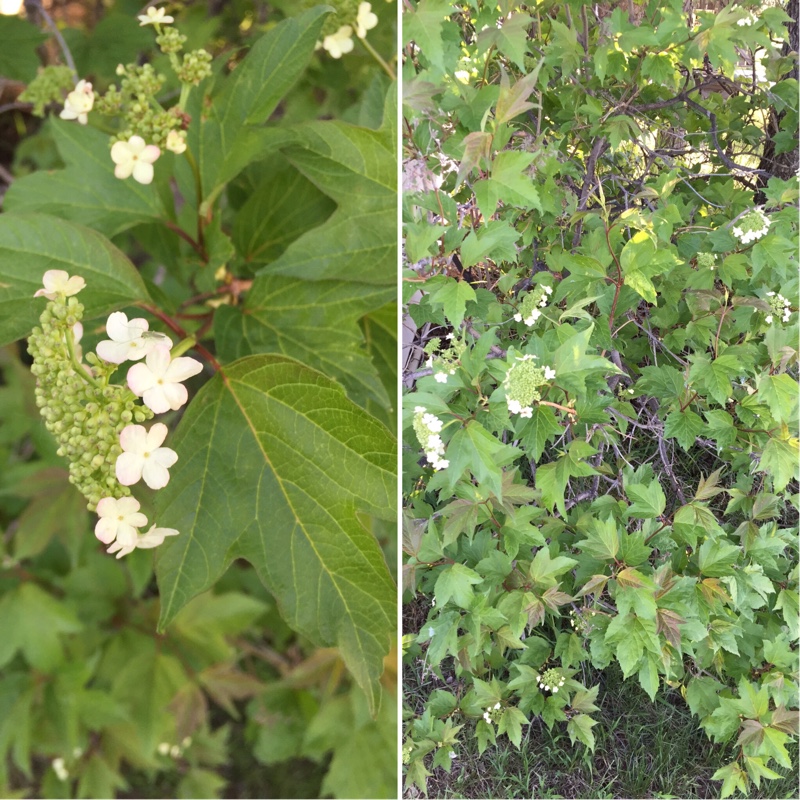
(601, 450)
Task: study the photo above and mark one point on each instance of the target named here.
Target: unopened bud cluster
(47, 87)
(427, 428)
(551, 680)
(706, 261)
(85, 417)
(522, 383)
(530, 308)
(408, 748)
(444, 361)
(493, 713)
(779, 306)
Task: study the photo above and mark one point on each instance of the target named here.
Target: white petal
(155, 475)
(129, 468)
(107, 507)
(136, 145)
(181, 369)
(106, 529)
(140, 378)
(158, 360)
(143, 172)
(121, 153)
(175, 395)
(134, 439)
(127, 506)
(153, 398)
(123, 171)
(150, 154)
(156, 436)
(112, 352)
(165, 456)
(117, 326)
(155, 536)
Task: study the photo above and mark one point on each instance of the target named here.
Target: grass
(643, 750)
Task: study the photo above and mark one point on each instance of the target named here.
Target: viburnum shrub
(198, 262)
(602, 208)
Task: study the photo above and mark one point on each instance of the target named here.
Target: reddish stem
(177, 329)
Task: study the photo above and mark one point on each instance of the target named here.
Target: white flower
(175, 751)
(555, 689)
(339, 43)
(127, 341)
(496, 706)
(143, 456)
(548, 289)
(163, 748)
(514, 406)
(155, 16)
(749, 19)
(450, 336)
(441, 377)
(79, 102)
(419, 409)
(518, 317)
(526, 411)
(432, 423)
(134, 157)
(153, 538)
(366, 20)
(549, 374)
(770, 294)
(60, 770)
(535, 314)
(119, 519)
(159, 380)
(176, 141)
(57, 281)
(452, 754)
(462, 75)
(769, 319)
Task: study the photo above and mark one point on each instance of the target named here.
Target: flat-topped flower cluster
(97, 423)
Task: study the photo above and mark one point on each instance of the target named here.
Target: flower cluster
(529, 309)
(748, 20)
(408, 748)
(780, 307)
(551, 680)
(580, 622)
(175, 750)
(522, 383)
(146, 128)
(706, 260)
(428, 427)
(445, 361)
(751, 227)
(97, 423)
(62, 773)
(491, 714)
(337, 38)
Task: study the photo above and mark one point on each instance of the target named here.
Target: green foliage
(263, 639)
(598, 190)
